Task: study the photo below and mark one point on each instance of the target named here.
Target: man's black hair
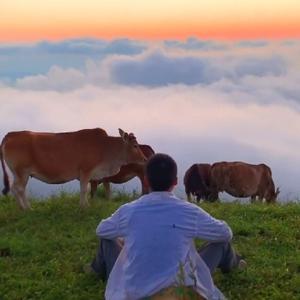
(161, 171)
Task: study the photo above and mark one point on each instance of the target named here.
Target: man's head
(161, 172)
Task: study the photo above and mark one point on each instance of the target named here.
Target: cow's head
(276, 194)
(133, 152)
(147, 150)
(271, 195)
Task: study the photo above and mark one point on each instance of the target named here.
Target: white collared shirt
(159, 231)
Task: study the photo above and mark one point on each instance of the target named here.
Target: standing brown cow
(126, 173)
(240, 179)
(197, 181)
(61, 157)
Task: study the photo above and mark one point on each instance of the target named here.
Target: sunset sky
(33, 20)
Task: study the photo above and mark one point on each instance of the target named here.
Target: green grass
(43, 250)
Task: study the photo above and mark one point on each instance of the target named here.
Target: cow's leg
(253, 198)
(94, 185)
(260, 197)
(213, 196)
(188, 194)
(189, 197)
(18, 190)
(198, 198)
(84, 181)
(106, 186)
(25, 199)
(145, 189)
(193, 197)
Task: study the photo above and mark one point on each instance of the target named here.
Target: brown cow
(61, 157)
(240, 179)
(126, 173)
(197, 181)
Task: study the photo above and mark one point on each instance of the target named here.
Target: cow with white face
(88, 154)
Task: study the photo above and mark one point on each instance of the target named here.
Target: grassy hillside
(42, 251)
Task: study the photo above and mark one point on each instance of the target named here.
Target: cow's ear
(123, 134)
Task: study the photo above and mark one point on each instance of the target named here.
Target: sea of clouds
(200, 101)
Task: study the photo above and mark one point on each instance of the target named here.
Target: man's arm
(210, 229)
(111, 227)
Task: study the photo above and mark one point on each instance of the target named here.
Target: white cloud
(56, 79)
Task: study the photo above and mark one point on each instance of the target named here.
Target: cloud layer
(193, 124)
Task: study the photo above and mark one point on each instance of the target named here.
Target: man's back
(158, 230)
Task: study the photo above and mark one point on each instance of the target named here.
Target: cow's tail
(5, 175)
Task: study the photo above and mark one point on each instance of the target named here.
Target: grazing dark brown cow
(61, 157)
(126, 173)
(240, 179)
(197, 181)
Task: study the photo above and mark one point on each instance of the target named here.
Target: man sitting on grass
(148, 245)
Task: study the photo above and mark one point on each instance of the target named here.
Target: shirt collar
(161, 193)
(154, 196)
